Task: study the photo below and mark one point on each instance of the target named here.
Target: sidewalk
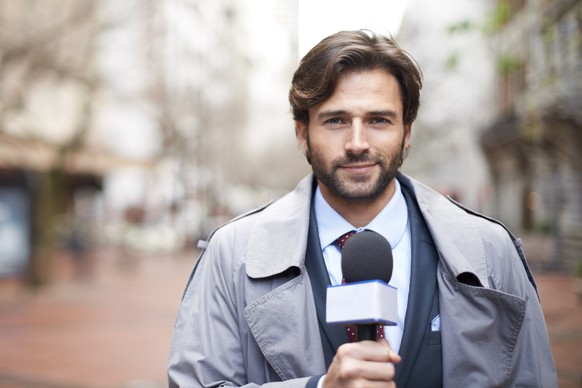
(563, 312)
(113, 329)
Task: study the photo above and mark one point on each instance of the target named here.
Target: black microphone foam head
(367, 256)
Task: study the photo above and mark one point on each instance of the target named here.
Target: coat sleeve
(533, 364)
(526, 346)
(494, 334)
(207, 349)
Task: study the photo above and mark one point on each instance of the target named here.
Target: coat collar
(455, 233)
(279, 237)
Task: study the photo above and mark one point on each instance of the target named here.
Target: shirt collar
(391, 222)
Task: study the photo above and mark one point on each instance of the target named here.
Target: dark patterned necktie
(341, 241)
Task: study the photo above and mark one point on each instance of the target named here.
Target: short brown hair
(320, 69)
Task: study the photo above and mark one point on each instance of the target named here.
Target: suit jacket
(248, 315)
(421, 364)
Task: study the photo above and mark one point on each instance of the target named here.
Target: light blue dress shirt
(392, 223)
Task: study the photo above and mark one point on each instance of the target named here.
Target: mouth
(358, 168)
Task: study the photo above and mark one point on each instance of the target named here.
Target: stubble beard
(358, 189)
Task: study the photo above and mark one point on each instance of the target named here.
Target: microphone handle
(366, 332)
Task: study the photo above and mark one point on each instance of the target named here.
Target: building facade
(160, 111)
(534, 146)
(457, 98)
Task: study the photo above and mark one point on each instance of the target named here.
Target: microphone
(367, 255)
(366, 299)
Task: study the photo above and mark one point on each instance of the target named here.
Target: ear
(407, 134)
(301, 134)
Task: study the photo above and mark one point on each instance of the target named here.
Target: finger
(365, 384)
(392, 355)
(353, 365)
(379, 351)
(368, 370)
(360, 383)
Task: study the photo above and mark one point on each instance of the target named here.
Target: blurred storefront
(14, 223)
(42, 189)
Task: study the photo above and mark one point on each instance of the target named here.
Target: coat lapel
(283, 322)
(422, 299)
(453, 231)
(332, 336)
(280, 310)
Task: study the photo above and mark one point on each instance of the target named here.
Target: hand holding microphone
(364, 364)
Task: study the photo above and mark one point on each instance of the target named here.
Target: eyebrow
(387, 112)
(340, 112)
(331, 113)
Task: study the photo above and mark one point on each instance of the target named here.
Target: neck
(358, 213)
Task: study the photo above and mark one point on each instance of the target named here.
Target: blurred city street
(109, 324)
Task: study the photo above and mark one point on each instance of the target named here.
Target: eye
(379, 121)
(334, 121)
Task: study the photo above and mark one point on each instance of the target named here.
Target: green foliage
(462, 26)
(543, 228)
(507, 64)
(498, 18)
(452, 61)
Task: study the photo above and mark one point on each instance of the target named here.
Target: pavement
(107, 323)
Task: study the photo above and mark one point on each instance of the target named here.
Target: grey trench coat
(248, 317)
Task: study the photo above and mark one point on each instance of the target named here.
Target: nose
(357, 141)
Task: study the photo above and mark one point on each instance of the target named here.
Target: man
(253, 312)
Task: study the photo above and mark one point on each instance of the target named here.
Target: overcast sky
(320, 18)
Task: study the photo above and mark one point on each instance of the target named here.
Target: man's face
(356, 138)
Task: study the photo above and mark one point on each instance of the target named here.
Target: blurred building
(149, 119)
(457, 98)
(216, 88)
(534, 146)
(48, 151)
(177, 70)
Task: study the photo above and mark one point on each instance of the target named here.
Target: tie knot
(341, 241)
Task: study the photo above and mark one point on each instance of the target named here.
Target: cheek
(392, 142)
(329, 144)
(318, 154)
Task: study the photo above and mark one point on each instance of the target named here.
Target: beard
(357, 189)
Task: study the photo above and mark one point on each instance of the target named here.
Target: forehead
(364, 89)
